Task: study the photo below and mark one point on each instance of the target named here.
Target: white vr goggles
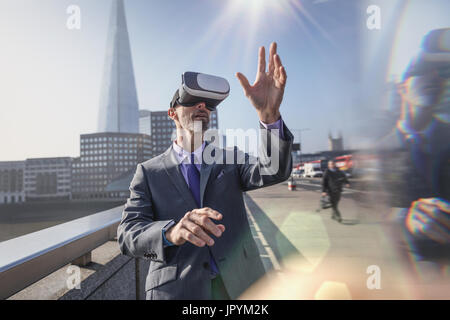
(199, 87)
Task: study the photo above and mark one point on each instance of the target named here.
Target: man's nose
(201, 105)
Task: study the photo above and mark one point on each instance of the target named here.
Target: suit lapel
(173, 171)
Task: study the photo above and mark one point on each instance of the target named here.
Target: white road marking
(275, 263)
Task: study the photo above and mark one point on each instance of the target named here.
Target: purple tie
(194, 180)
(193, 176)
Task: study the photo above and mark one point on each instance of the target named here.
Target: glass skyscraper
(119, 111)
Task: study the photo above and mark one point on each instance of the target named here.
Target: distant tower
(336, 144)
(119, 110)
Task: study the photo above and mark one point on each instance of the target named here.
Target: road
(309, 255)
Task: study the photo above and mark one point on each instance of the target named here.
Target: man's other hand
(195, 227)
(430, 218)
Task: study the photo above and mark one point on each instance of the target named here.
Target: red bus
(345, 163)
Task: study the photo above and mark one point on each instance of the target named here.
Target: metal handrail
(29, 258)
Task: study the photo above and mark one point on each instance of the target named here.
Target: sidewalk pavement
(308, 255)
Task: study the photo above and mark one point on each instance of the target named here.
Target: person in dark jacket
(332, 182)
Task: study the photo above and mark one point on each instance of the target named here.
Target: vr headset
(434, 55)
(199, 87)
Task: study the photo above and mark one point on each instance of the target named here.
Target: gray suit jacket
(159, 194)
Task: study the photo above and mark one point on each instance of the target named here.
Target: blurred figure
(416, 155)
(332, 182)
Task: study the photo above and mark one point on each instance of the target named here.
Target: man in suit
(332, 182)
(416, 158)
(176, 197)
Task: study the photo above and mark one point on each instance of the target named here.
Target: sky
(50, 76)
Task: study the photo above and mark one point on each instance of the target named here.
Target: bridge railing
(29, 258)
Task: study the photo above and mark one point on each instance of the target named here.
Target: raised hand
(267, 91)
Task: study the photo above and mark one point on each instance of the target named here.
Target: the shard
(119, 111)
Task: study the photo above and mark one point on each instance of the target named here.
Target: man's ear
(172, 114)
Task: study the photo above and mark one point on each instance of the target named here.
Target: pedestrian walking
(332, 182)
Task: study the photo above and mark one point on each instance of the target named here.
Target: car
(313, 169)
(296, 173)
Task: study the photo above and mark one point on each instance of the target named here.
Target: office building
(48, 179)
(11, 182)
(145, 122)
(103, 158)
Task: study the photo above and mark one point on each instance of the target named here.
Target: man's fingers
(190, 237)
(434, 213)
(221, 227)
(202, 218)
(278, 63)
(419, 222)
(435, 232)
(198, 232)
(244, 83)
(261, 62)
(278, 66)
(418, 228)
(441, 204)
(283, 79)
(272, 52)
(206, 224)
(216, 215)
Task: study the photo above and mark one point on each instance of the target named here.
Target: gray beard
(193, 126)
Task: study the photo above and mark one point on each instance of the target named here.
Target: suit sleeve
(139, 235)
(273, 164)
